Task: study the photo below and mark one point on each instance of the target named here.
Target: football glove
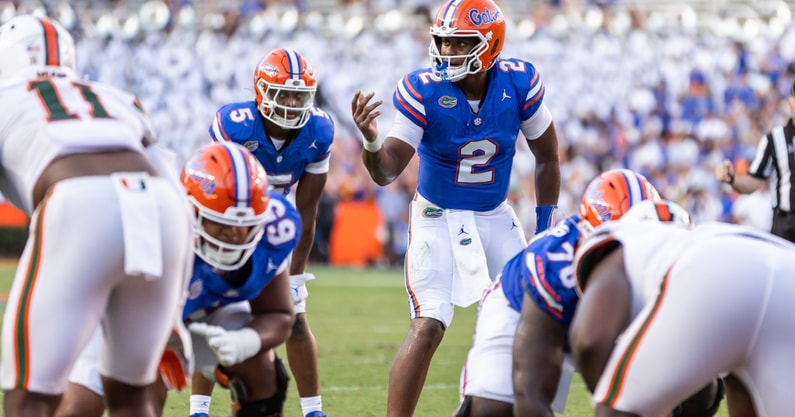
(177, 362)
(231, 347)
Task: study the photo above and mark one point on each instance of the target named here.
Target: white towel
(471, 275)
(143, 248)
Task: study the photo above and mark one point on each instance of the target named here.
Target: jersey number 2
(474, 155)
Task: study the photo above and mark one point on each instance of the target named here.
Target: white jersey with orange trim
(47, 118)
(713, 301)
(649, 250)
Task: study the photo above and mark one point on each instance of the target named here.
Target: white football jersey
(646, 264)
(47, 118)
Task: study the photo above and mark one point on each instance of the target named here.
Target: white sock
(199, 404)
(310, 404)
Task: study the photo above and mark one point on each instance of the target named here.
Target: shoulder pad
(591, 250)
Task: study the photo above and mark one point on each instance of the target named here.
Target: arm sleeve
(537, 124)
(404, 129)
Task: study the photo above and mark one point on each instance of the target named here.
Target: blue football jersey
(544, 269)
(466, 156)
(208, 291)
(242, 123)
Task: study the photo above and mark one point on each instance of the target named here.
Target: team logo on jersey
(432, 212)
(448, 102)
(465, 242)
(251, 145)
(195, 290)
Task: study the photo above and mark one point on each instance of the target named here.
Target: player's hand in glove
(231, 347)
(176, 364)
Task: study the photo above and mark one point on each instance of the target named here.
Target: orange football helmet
(610, 195)
(481, 19)
(284, 88)
(227, 185)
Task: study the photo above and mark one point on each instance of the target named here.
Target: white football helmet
(32, 46)
(664, 211)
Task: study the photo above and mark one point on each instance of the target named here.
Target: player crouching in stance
(239, 306)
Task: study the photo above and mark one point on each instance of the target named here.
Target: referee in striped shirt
(774, 155)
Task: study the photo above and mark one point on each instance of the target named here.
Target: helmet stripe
(50, 43)
(449, 14)
(294, 62)
(241, 173)
(634, 187)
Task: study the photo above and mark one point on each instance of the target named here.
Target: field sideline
(359, 317)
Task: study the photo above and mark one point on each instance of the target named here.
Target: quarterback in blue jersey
(463, 116)
(292, 139)
(239, 305)
(538, 280)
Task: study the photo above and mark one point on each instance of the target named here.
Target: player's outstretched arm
(537, 361)
(602, 314)
(384, 159)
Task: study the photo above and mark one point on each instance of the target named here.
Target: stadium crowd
(664, 96)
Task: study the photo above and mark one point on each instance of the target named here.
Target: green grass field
(359, 317)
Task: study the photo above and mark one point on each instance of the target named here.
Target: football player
(538, 282)
(79, 157)
(462, 115)
(292, 139)
(690, 306)
(239, 306)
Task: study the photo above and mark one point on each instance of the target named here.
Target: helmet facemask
(224, 255)
(441, 64)
(299, 95)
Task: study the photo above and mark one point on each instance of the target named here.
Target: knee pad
(269, 407)
(464, 407)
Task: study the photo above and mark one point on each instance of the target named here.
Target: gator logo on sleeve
(448, 102)
(251, 145)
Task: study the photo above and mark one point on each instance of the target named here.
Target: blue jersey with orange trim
(544, 269)
(208, 291)
(466, 156)
(242, 123)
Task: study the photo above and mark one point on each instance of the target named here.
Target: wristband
(374, 146)
(545, 217)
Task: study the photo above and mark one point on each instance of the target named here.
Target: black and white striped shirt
(775, 156)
